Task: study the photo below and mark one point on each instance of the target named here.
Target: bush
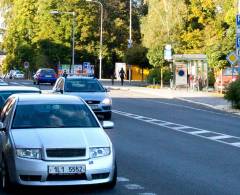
(156, 73)
(233, 93)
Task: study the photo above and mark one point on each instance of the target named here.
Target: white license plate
(94, 106)
(48, 76)
(66, 169)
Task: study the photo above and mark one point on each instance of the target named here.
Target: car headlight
(29, 153)
(99, 152)
(107, 101)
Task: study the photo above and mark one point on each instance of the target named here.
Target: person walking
(65, 74)
(122, 75)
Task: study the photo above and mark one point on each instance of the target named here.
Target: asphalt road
(166, 146)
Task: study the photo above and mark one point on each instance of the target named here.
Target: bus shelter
(190, 71)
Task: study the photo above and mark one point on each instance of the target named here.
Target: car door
(5, 118)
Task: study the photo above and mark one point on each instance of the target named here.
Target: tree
(137, 55)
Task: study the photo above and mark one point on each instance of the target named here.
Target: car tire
(113, 182)
(52, 84)
(107, 116)
(5, 183)
(34, 82)
(38, 83)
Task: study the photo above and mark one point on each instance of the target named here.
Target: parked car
(53, 140)
(6, 91)
(225, 77)
(18, 75)
(45, 75)
(89, 89)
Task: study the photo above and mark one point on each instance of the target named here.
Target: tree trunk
(142, 74)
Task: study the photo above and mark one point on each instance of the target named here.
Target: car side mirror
(108, 125)
(107, 89)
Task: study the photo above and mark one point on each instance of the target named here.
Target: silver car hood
(97, 96)
(60, 138)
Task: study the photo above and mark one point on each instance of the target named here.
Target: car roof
(47, 99)
(18, 88)
(78, 77)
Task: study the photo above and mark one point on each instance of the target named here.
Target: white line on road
(14, 83)
(122, 179)
(199, 132)
(216, 136)
(134, 187)
(221, 137)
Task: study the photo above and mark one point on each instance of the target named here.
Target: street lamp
(54, 12)
(101, 37)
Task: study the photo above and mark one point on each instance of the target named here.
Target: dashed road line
(122, 179)
(206, 134)
(134, 187)
(14, 83)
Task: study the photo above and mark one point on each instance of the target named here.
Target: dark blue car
(45, 75)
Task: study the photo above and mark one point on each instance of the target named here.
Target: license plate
(48, 76)
(66, 169)
(94, 106)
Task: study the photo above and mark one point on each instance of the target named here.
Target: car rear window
(53, 116)
(50, 71)
(83, 85)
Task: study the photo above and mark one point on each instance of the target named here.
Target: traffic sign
(26, 65)
(238, 20)
(238, 42)
(168, 52)
(232, 58)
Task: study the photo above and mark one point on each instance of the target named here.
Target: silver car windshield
(53, 116)
(83, 85)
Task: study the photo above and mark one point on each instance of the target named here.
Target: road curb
(210, 106)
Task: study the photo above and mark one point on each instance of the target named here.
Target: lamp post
(130, 35)
(54, 12)
(101, 37)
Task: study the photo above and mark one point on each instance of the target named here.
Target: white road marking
(199, 132)
(237, 144)
(14, 83)
(147, 193)
(218, 137)
(221, 137)
(25, 83)
(181, 127)
(191, 108)
(122, 179)
(134, 187)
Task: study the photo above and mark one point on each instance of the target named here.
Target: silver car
(89, 89)
(53, 140)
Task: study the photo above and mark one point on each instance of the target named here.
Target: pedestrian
(65, 74)
(113, 76)
(122, 75)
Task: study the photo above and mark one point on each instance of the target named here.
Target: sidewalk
(208, 99)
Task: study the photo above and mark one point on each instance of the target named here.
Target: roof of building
(189, 57)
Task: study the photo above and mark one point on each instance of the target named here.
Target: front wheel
(5, 183)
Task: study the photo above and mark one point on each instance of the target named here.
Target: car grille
(92, 102)
(66, 153)
(66, 177)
